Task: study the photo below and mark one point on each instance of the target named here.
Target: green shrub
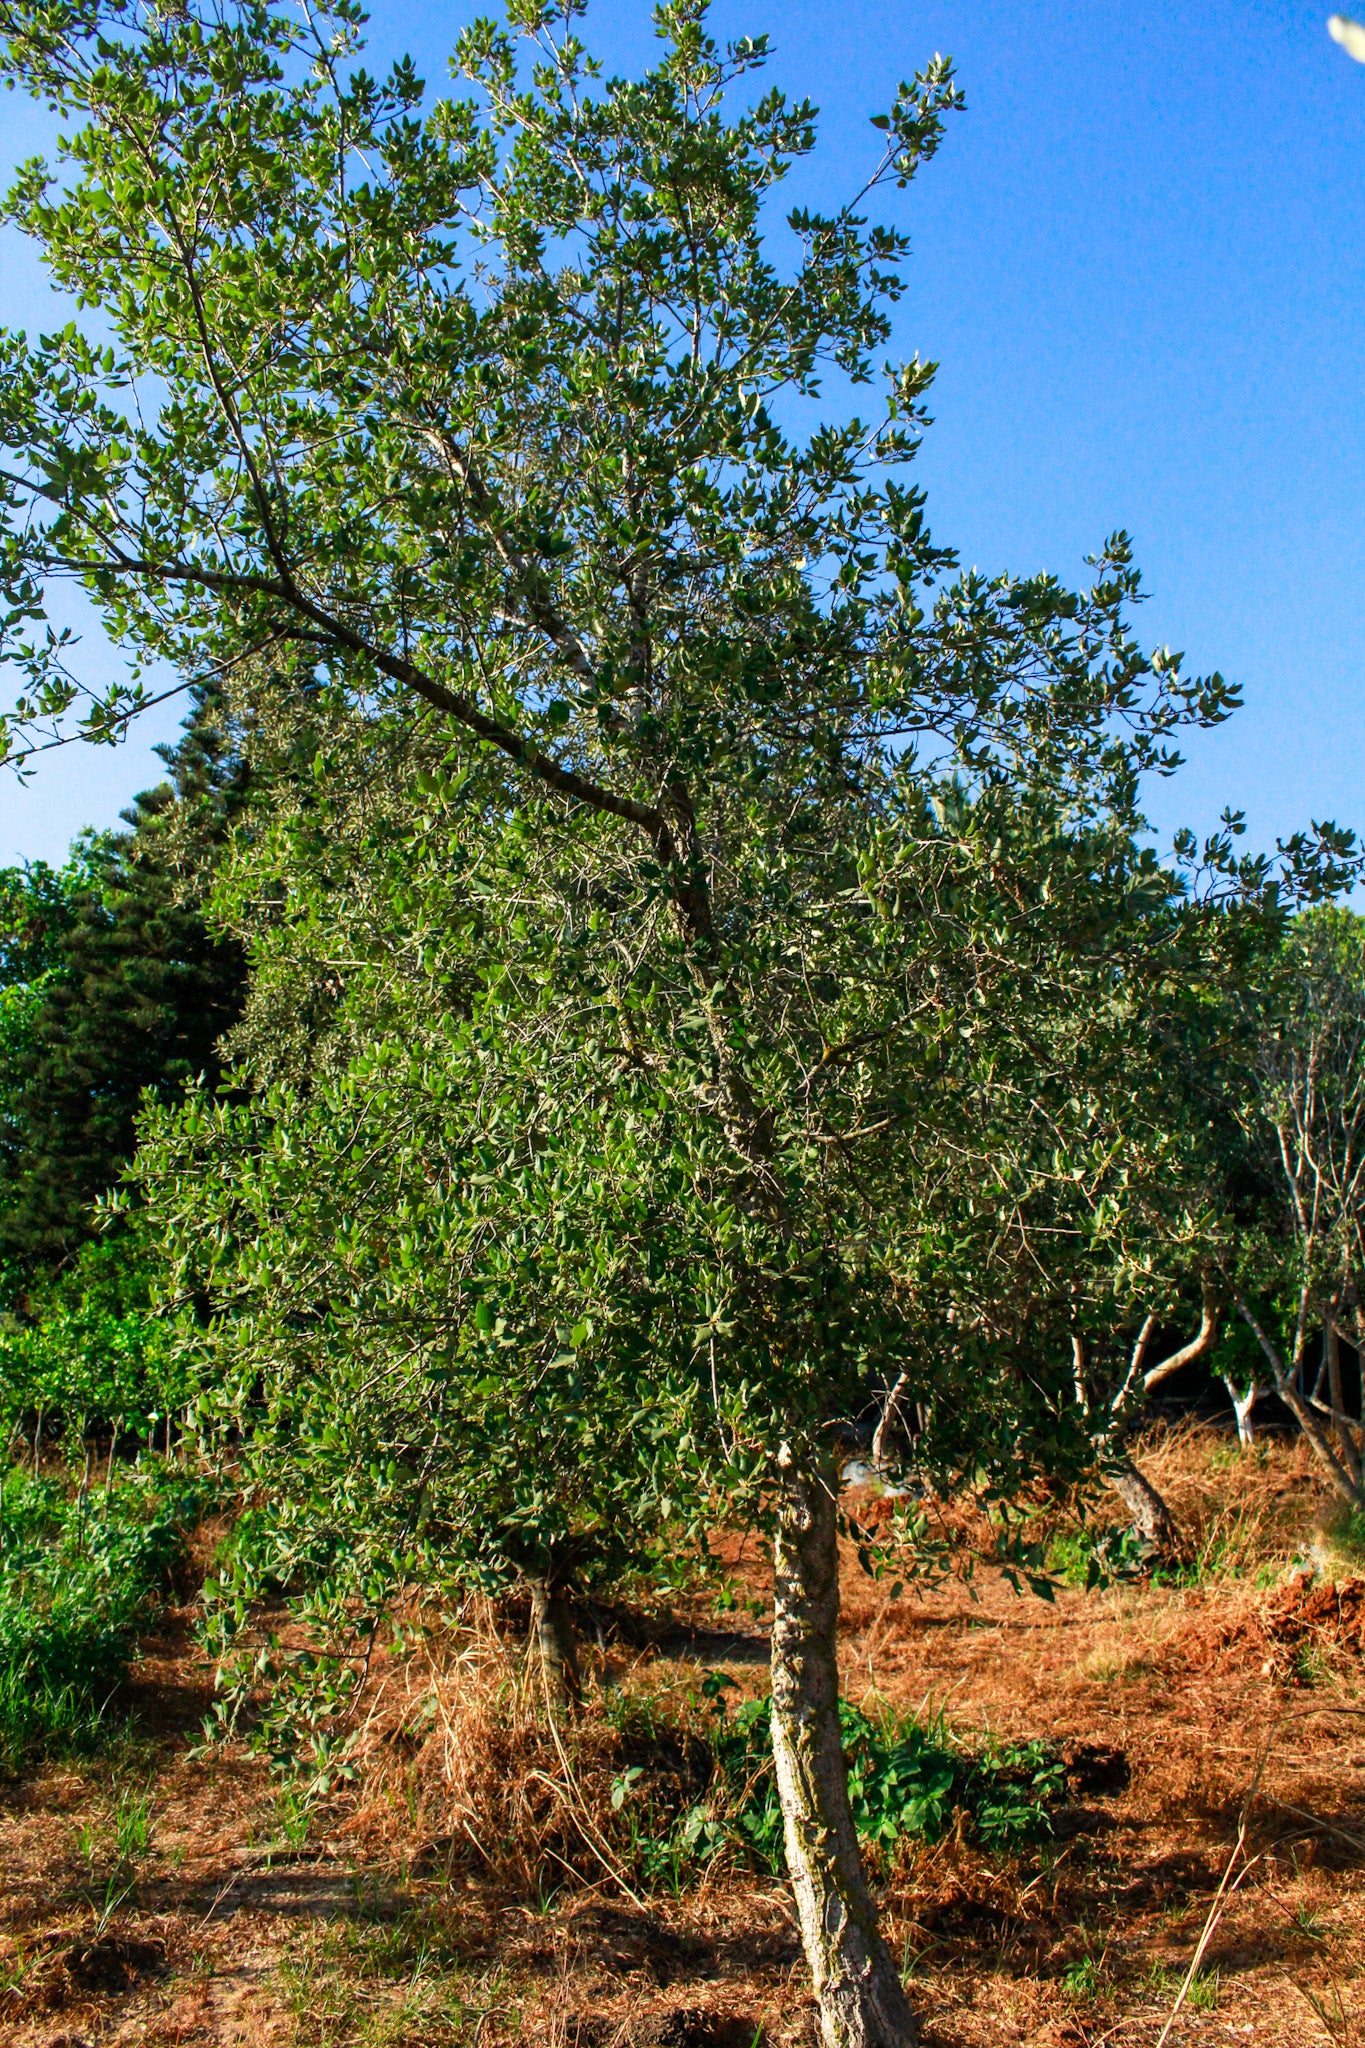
(905, 1781)
(80, 1579)
(1086, 1556)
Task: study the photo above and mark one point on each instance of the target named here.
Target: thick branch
(455, 703)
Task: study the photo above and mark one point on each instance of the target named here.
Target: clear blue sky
(1139, 261)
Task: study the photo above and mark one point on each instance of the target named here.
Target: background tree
(114, 986)
(1297, 1270)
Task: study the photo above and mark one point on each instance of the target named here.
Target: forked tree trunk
(552, 1626)
(862, 2003)
(886, 1426)
(1345, 1479)
(1242, 1407)
(1151, 1517)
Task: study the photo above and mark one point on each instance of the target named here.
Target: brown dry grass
(474, 1884)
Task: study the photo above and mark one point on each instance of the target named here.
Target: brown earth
(474, 1883)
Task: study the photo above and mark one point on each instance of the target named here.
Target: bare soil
(471, 1884)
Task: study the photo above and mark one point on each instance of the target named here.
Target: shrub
(81, 1576)
(906, 1781)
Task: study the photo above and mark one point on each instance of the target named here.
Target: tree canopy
(721, 934)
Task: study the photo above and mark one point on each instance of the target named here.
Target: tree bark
(861, 1999)
(554, 1632)
(1287, 1387)
(1152, 1519)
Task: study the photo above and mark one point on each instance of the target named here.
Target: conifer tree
(114, 986)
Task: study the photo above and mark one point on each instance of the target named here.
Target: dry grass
(1240, 1513)
(475, 1885)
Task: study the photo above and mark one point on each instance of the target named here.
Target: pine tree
(117, 986)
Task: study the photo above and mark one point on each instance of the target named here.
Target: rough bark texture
(1152, 1519)
(862, 2003)
(554, 1632)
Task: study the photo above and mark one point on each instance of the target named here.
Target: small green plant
(1307, 1665)
(625, 1785)
(1087, 1556)
(293, 1814)
(132, 1827)
(1165, 1983)
(1085, 1979)
(1203, 1991)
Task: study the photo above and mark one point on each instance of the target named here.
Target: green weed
(1203, 1991)
(1202, 1996)
(132, 1826)
(1087, 1556)
(1085, 1979)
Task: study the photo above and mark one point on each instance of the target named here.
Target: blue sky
(1139, 261)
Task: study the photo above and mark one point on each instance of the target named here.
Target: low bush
(1086, 1556)
(81, 1577)
(906, 1781)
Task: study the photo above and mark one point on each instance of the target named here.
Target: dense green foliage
(906, 1781)
(82, 1573)
(92, 1355)
(708, 968)
(110, 985)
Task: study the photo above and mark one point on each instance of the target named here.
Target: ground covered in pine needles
(1197, 1873)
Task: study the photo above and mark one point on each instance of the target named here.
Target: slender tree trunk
(1336, 1395)
(558, 1647)
(1287, 1387)
(1242, 1407)
(862, 2003)
(890, 1416)
(1152, 1519)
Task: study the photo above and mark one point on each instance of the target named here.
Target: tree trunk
(1242, 1406)
(1336, 1394)
(1287, 1387)
(862, 2003)
(1152, 1519)
(890, 1415)
(554, 1632)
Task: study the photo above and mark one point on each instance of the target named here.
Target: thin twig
(1226, 1888)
